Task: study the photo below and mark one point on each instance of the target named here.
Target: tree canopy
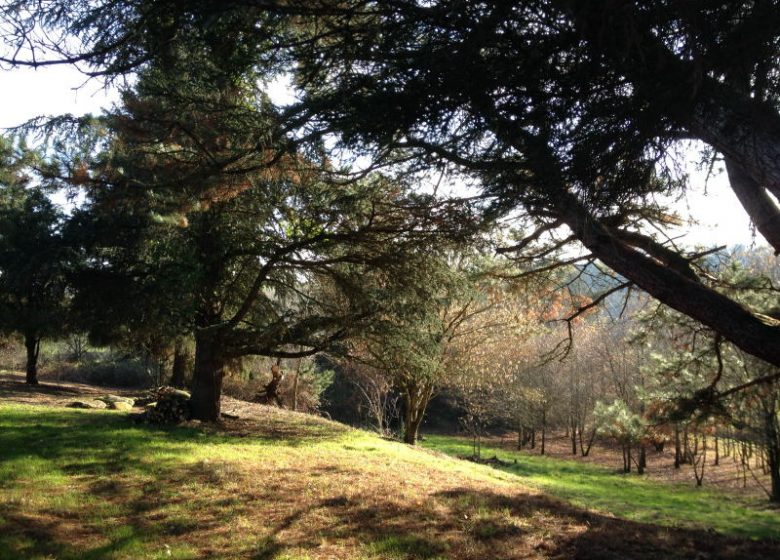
(33, 257)
(565, 114)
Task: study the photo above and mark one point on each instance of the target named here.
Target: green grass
(629, 496)
(402, 547)
(142, 491)
(87, 484)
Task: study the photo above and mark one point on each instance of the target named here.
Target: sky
(27, 93)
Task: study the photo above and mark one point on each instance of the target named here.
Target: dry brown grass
(281, 485)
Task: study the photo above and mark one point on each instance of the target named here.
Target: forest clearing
(279, 484)
(389, 279)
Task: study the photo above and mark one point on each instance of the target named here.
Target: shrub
(117, 372)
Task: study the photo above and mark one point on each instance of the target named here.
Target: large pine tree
(199, 204)
(33, 258)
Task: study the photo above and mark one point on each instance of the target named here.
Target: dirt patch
(51, 393)
(243, 419)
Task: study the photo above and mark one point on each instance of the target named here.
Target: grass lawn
(629, 496)
(84, 484)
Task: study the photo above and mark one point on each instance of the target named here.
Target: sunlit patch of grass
(91, 484)
(400, 547)
(629, 496)
(133, 487)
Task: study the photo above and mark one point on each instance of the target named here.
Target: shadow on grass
(384, 530)
(465, 523)
(80, 442)
(482, 524)
(272, 427)
(630, 496)
(63, 471)
(134, 495)
(14, 386)
(90, 442)
(26, 537)
(577, 533)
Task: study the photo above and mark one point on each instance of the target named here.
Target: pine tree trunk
(688, 296)
(585, 450)
(295, 395)
(773, 452)
(717, 451)
(677, 452)
(416, 398)
(32, 344)
(207, 379)
(271, 390)
(179, 368)
(411, 427)
(774, 475)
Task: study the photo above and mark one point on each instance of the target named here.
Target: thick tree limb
(763, 211)
(756, 334)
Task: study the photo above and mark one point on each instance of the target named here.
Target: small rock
(120, 405)
(110, 399)
(88, 404)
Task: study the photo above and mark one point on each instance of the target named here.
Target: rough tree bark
(585, 449)
(32, 344)
(677, 450)
(574, 426)
(758, 203)
(270, 393)
(772, 438)
(207, 378)
(416, 398)
(179, 368)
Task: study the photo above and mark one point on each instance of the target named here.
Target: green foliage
(108, 371)
(618, 421)
(33, 257)
(202, 215)
(401, 547)
(690, 366)
(316, 381)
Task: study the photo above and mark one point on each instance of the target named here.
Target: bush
(312, 382)
(12, 354)
(109, 373)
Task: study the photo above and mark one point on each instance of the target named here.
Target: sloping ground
(14, 389)
(726, 475)
(281, 485)
(50, 392)
(629, 496)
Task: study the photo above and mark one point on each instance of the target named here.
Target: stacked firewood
(170, 406)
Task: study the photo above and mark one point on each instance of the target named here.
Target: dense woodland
(467, 211)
